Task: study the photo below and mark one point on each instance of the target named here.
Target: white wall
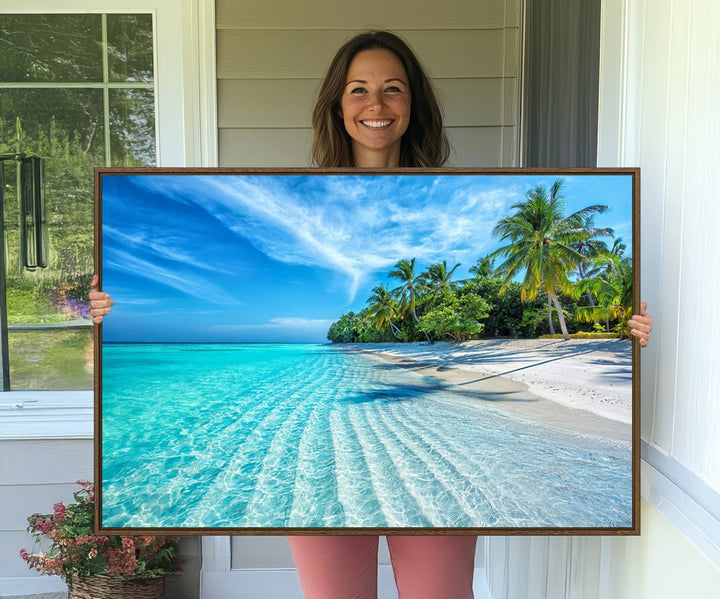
(670, 127)
(660, 80)
(660, 564)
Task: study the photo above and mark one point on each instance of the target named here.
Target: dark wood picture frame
(103, 175)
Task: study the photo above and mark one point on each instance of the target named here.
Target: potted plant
(98, 566)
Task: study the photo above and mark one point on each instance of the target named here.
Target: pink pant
(345, 567)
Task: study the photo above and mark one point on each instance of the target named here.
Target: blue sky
(278, 258)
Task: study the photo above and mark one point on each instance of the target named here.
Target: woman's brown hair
(423, 144)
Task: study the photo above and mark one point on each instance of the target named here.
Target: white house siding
(271, 57)
(34, 475)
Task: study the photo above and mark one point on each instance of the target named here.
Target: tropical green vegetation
(555, 269)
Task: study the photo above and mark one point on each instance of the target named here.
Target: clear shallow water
(273, 435)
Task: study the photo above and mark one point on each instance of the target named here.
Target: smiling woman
(375, 108)
(374, 78)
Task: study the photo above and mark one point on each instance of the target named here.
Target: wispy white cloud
(184, 280)
(135, 301)
(159, 245)
(355, 226)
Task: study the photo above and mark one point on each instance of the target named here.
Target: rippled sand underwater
(302, 435)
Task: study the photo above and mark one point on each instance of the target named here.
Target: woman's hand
(100, 303)
(641, 325)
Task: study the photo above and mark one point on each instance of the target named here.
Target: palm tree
(540, 242)
(437, 278)
(364, 320)
(383, 308)
(484, 267)
(590, 247)
(614, 292)
(618, 247)
(409, 291)
(603, 266)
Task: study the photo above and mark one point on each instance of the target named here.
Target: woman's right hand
(100, 302)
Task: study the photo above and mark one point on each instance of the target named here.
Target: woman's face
(375, 107)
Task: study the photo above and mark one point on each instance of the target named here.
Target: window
(77, 90)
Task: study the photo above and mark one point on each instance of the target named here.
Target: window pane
(65, 127)
(132, 127)
(130, 47)
(51, 118)
(54, 359)
(50, 48)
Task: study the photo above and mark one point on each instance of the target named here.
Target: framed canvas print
(395, 351)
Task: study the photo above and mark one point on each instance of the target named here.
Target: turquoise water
(273, 435)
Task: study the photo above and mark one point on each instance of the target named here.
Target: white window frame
(186, 135)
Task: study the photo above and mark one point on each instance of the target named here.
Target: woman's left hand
(641, 325)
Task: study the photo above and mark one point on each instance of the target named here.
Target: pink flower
(121, 562)
(53, 565)
(24, 554)
(128, 542)
(88, 487)
(44, 526)
(59, 509)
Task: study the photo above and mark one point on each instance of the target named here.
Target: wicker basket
(116, 587)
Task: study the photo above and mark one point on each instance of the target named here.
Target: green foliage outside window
(77, 102)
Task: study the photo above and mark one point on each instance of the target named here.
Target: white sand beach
(582, 384)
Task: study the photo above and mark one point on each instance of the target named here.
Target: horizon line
(219, 342)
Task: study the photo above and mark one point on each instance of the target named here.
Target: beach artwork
(342, 352)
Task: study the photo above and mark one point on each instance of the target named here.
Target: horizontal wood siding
(264, 147)
(287, 103)
(35, 475)
(291, 147)
(331, 14)
(271, 59)
(306, 54)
